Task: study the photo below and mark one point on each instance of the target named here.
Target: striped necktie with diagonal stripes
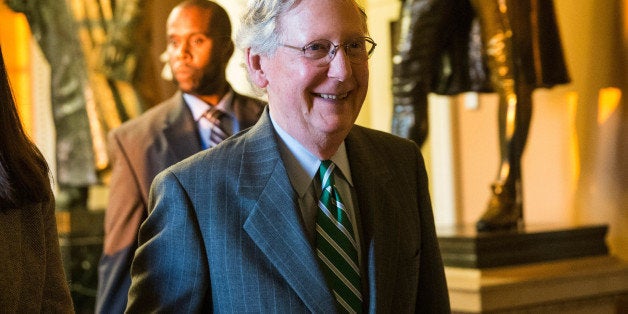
(217, 133)
(335, 244)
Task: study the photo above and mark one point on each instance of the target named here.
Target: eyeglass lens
(357, 50)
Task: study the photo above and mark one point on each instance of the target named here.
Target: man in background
(204, 111)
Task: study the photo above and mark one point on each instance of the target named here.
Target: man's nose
(340, 65)
(183, 50)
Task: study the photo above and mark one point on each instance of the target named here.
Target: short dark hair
(220, 21)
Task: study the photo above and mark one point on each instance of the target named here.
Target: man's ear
(229, 50)
(256, 73)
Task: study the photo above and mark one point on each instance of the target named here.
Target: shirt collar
(199, 107)
(302, 165)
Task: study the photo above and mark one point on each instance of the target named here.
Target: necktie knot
(325, 172)
(217, 132)
(214, 115)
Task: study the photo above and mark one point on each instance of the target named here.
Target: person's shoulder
(150, 118)
(198, 165)
(399, 155)
(386, 145)
(219, 158)
(246, 99)
(228, 155)
(381, 136)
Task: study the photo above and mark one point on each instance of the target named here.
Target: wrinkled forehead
(314, 13)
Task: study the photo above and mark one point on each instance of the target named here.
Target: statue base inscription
(464, 247)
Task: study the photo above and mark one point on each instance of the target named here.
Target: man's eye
(355, 45)
(173, 43)
(317, 47)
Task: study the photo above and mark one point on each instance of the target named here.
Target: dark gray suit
(141, 148)
(224, 233)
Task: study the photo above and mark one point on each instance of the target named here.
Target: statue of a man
(452, 46)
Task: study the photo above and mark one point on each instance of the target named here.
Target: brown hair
(24, 173)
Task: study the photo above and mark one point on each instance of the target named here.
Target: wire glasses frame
(357, 50)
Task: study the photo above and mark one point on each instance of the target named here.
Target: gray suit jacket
(224, 233)
(140, 149)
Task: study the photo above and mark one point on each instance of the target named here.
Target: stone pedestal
(80, 241)
(582, 285)
(537, 269)
(465, 247)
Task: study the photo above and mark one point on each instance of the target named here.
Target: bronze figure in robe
(510, 47)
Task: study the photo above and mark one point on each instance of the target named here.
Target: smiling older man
(305, 212)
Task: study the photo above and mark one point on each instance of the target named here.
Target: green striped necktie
(336, 244)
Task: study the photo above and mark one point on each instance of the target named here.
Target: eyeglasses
(323, 51)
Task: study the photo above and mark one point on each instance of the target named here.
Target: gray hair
(259, 26)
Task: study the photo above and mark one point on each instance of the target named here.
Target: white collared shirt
(198, 109)
(302, 167)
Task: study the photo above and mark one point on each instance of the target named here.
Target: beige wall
(574, 168)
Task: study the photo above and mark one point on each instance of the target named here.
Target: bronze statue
(76, 169)
(448, 47)
(86, 100)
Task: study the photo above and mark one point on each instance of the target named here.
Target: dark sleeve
(56, 295)
(433, 296)
(123, 217)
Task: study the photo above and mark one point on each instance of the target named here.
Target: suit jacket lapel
(179, 125)
(374, 204)
(274, 224)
